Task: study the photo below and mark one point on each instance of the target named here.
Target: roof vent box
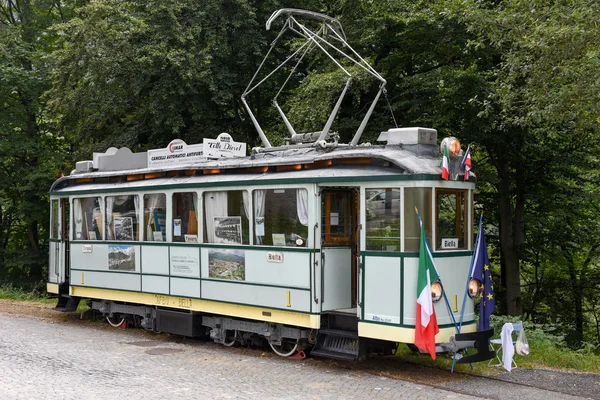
(120, 159)
(83, 166)
(409, 136)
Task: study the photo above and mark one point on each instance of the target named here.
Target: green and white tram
(307, 246)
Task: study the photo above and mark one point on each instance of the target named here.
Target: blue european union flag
(481, 272)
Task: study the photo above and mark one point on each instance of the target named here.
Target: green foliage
(137, 74)
(32, 152)
(8, 291)
(515, 80)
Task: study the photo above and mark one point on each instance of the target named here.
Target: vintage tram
(313, 245)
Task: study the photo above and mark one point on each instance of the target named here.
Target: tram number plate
(273, 256)
(450, 243)
(162, 300)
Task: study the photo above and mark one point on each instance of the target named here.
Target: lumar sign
(176, 153)
(223, 146)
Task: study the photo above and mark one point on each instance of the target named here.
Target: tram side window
(451, 219)
(281, 217)
(122, 217)
(155, 215)
(54, 220)
(185, 221)
(226, 217)
(420, 198)
(87, 218)
(383, 219)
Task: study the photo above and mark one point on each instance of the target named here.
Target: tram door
(339, 248)
(58, 271)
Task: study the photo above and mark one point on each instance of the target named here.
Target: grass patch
(10, 292)
(547, 350)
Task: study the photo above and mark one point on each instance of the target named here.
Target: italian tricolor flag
(426, 327)
(445, 163)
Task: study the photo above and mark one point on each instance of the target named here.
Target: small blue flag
(481, 271)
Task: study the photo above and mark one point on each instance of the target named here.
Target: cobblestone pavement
(44, 360)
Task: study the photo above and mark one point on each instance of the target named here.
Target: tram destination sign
(223, 146)
(176, 153)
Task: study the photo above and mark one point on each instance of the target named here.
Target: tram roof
(388, 161)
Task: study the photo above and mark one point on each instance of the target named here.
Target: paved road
(40, 359)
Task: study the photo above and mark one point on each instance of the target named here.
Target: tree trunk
(509, 244)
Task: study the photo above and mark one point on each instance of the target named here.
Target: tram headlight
(437, 290)
(474, 287)
(453, 145)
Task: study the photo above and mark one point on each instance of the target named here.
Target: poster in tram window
(228, 230)
(227, 264)
(123, 228)
(121, 257)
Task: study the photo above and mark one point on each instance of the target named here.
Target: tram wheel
(285, 349)
(230, 337)
(115, 321)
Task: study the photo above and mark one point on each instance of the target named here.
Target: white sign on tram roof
(176, 153)
(223, 146)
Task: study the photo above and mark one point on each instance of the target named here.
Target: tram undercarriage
(337, 339)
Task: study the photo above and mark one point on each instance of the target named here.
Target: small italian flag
(426, 326)
(445, 163)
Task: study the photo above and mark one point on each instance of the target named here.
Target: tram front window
(122, 217)
(421, 199)
(451, 217)
(383, 219)
(281, 217)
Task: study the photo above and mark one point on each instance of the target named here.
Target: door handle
(322, 277)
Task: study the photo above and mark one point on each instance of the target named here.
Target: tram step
(334, 355)
(69, 306)
(337, 344)
(338, 332)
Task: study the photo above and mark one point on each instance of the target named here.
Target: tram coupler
(478, 340)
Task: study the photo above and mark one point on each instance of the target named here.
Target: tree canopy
(518, 81)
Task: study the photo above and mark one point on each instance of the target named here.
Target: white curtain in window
(98, 219)
(78, 215)
(153, 203)
(302, 206)
(215, 205)
(246, 200)
(110, 233)
(136, 203)
(259, 212)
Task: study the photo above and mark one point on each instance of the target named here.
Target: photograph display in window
(227, 264)
(281, 217)
(122, 217)
(123, 228)
(121, 257)
(226, 217)
(228, 230)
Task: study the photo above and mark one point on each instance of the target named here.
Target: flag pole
(462, 314)
(440, 277)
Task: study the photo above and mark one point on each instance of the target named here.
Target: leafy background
(518, 81)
